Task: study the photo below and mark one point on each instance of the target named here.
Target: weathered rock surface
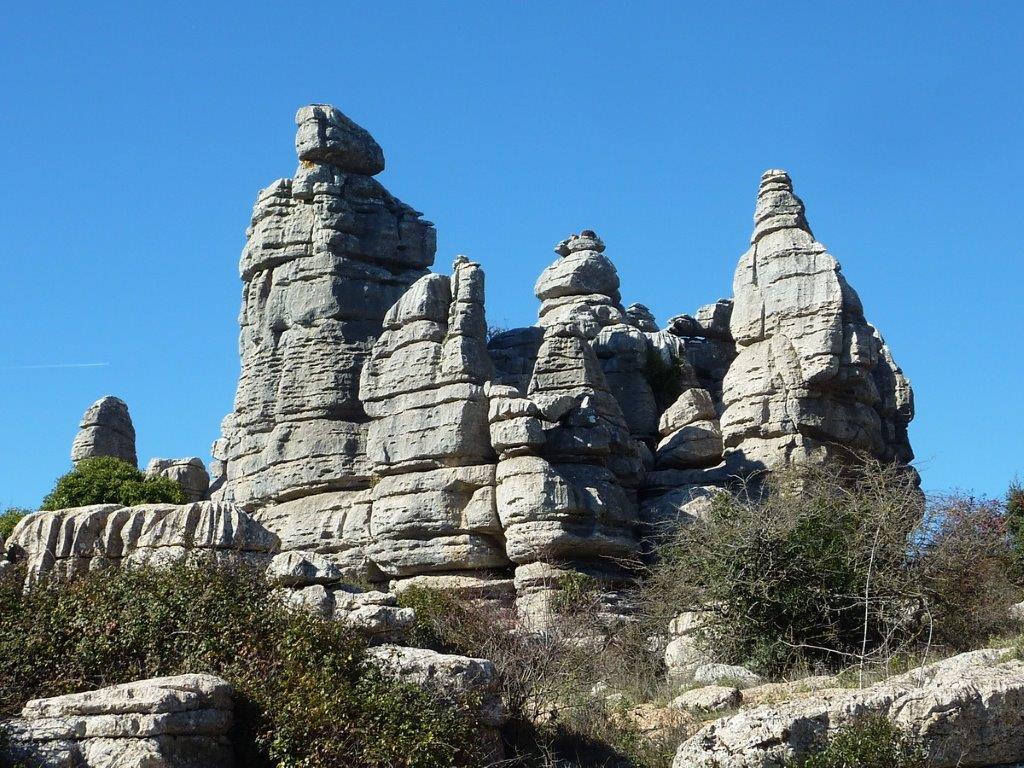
(581, 288)
(168, 722)
(373, 615)
(189, 473)
(69, 542)
(328, 253)
(812, 379)
(968, 711)
(433, 501)
(106, 430)
(709, 698)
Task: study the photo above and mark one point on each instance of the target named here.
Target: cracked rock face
(165, 722)
(812, 378)
(69, 542)
(433, 502)
(328, 253)
(106, 430)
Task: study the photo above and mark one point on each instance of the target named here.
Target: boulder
(189, 473)
(68, 542)
(968, 711)
(709, 698)
(106, 430)
(168, 722)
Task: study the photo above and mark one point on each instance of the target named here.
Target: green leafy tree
(1015, 526)
(106, 480)
(9, 519)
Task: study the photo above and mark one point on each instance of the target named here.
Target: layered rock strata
(328, 253)
(167, 722)
(812, 379)
(433, 503)
(106, 430)
(69, 542)
(966, 711)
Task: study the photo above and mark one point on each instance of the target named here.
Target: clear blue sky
(133, 143)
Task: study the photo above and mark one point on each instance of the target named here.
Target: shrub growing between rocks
(870, 742)
(303, 697)
(825, 570)
(106, 480)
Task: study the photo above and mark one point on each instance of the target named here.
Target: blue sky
(134, 141)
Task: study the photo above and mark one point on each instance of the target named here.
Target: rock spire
(106, 430)
(812, 378)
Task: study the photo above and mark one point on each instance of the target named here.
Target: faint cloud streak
(50, 366)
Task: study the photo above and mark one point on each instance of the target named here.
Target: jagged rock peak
(106, 430)
(326, 135)
(587, 240)
(778, 207)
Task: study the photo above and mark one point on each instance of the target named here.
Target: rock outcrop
(167, 722)
(812, 380)
(328, 253)
(377, 426)
(433, 506)
(69, 542)
(106, 430)
(189, 473)
(968, 711)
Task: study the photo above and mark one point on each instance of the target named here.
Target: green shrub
(870, 742)
(303, 697)
(9, 520)
(106, 480)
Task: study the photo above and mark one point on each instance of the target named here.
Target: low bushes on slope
(556, 716)
(303, 699)
(824, 570)
(106, 480)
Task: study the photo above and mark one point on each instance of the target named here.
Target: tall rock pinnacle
(811, 378)
(106, 430)
(328, 253)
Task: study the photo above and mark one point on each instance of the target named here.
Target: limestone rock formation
(967, 711)
(167, 722)
(433, 506)
(582, 287)
(69, 542)
(189, 473)
(328, 253)
(707, 344)
(811, 379)
(106, 430)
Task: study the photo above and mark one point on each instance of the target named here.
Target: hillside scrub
(106, 480)
(303, 697)
(822, 570)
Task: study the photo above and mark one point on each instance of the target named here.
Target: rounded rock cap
(325, 135)
(587, 240)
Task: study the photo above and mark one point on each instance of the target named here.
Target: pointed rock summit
(106, 430)
(812, 378)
